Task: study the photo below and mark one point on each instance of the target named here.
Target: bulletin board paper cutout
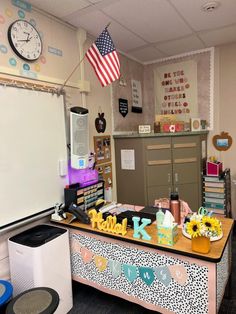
(176, 89)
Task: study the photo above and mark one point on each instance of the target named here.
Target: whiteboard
(32, 143)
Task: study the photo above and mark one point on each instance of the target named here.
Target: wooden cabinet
(162, 164)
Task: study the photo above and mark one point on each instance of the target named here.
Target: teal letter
(139, 229)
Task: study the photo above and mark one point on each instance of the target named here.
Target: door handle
(177, 189)
(176, 177)
(169, 177)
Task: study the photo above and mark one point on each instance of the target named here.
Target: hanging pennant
(87, 255)
(101, 263)
(123, 106)
(115, 268)
(179, 274)
(75, 246)
(163, 275)
(147, 275)
(130, 272)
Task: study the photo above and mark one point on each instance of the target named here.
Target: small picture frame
(195, 124)
(146, 128)
(222, 141)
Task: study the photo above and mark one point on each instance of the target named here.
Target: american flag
(103, 57)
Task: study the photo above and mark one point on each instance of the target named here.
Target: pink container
(214, 168)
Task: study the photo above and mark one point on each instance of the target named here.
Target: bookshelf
(217, 193)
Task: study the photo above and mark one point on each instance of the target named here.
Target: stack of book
(214, 194)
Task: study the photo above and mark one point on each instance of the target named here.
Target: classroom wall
(130, 69)
(51, 68)
(227, 108)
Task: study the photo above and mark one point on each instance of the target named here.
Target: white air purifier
(79, 137)
(40, 257)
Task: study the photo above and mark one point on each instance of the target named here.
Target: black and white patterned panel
(222, 275)
(191, 298)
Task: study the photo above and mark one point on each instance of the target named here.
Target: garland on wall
(164, 274)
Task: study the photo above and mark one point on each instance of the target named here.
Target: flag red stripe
(99, 66)
(113, 65)
(116, 60)
(95, 63)
(94, 67)
(110, 65)
(104, 65)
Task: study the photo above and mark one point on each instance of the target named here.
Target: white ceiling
(147, 30)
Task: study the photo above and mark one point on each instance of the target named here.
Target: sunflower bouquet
(205, 226)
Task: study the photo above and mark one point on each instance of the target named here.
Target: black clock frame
(13, 46)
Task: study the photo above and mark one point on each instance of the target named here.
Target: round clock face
(25, 40)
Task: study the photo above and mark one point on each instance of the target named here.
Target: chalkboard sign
(123, 106)
(33, 143)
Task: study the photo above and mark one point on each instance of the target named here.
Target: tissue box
(167, 235)
(214, 168)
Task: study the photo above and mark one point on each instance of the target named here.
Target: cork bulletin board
(103, 158)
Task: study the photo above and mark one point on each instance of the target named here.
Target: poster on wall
(136, 96)
(176, 90)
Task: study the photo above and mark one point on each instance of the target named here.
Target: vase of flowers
(201, 229)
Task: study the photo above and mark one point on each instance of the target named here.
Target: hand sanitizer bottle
(159, 216)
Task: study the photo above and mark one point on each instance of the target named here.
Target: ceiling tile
(181, 45)
(146, 54)
(95, 22)
(62, 8)
(154, 20)
(225, 14)
(219, 37)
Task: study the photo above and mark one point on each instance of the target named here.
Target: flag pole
(108, 25)
(76, 67)
(60, 90)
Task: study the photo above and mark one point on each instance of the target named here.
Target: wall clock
(25, 40)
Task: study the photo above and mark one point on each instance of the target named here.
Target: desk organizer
(85, 197)
(214, 168)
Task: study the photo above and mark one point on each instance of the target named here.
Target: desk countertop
(182, 246)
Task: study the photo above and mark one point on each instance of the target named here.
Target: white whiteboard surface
(32, 141)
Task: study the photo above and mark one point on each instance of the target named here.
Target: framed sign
(195, 124)
(146, 128)
(136, 96)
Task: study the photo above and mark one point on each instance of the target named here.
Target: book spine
(214, 184)
(216, 195)
(214, 200)
(217, 190)
(213, 205)
(212, 179)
